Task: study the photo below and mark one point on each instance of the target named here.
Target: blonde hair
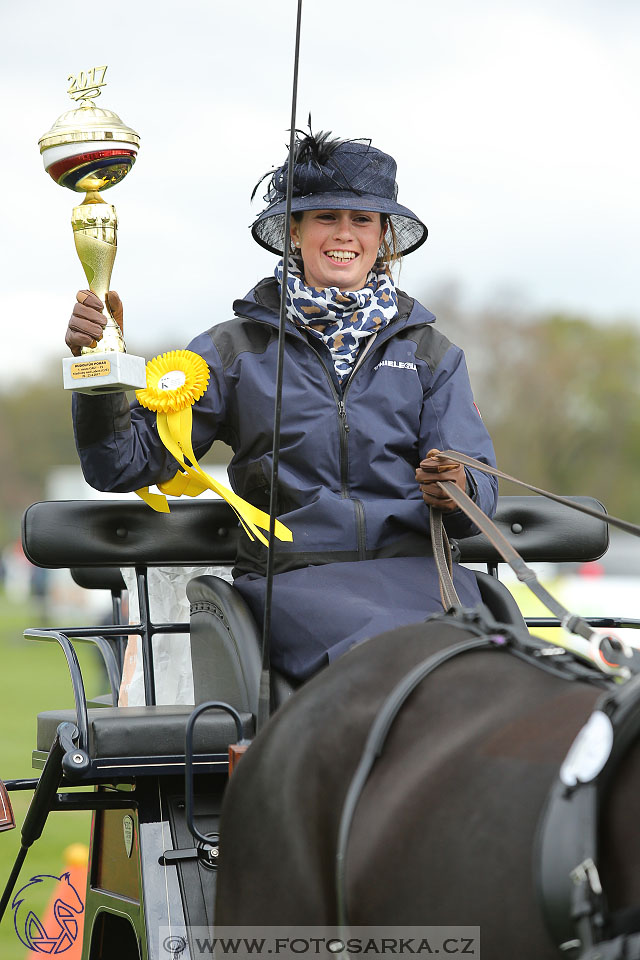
(388, 255)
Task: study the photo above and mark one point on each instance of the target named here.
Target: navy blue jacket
(347, 487)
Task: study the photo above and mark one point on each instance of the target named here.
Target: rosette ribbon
(175, 380)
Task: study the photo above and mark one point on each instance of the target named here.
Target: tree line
(560, 395)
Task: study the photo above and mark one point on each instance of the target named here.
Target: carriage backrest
(542, 530)
(97, 538)
(127, 533)
(120, 533)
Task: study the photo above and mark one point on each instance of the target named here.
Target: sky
(514, 126)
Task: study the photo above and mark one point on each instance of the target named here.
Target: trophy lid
(88, 148)
(85, 124)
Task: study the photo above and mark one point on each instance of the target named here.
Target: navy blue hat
(336, 175)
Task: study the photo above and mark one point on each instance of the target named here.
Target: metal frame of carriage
(161, 771)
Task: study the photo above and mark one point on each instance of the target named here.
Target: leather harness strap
(442, 556)
(494, 472)
(566, 851)
(511, 556)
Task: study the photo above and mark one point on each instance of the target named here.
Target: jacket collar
(263, 304)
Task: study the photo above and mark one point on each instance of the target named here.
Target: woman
(371, 391)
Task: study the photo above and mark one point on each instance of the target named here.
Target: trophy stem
(95, 234)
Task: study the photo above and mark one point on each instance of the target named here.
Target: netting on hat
(323, 163)
(270, 233)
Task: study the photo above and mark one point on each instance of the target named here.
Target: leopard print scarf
(340, 318)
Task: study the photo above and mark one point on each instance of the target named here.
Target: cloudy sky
(514, 124)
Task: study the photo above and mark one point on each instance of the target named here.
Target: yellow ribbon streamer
(174, 420)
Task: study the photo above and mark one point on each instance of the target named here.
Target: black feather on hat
(334, 174)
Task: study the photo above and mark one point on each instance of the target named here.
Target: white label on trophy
(90, 368)
(172, 380)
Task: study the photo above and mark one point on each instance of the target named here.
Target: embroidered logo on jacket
(398, 364)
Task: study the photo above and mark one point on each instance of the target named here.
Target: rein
(574, 624)
(467, 461)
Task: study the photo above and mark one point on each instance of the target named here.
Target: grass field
(34, 677)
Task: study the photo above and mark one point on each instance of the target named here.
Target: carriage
(155, 776)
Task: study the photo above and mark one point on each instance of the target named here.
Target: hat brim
(269, 228)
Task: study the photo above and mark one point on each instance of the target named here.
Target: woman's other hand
(433, 469)
(87, 322)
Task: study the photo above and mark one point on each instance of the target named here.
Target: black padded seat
(226, 645)
(499, 600)
(146, 731)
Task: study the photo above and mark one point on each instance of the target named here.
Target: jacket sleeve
(451, 421)
(118, 443)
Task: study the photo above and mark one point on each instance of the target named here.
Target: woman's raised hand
(431, 470)
(87, 322)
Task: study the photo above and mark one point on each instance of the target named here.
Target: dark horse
(444, 830)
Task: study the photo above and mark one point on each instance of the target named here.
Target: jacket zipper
(343, 426)
(344, 443)
(358, 506)
(361, 537)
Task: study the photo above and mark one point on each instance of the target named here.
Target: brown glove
(430, 471)
(87, 321)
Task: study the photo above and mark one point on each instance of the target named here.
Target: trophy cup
(88, 150)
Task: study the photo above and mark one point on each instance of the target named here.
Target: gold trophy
(88, 150)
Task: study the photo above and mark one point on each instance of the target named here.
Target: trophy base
(104, 373)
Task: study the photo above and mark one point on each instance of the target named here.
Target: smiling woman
(338, 247)
(371, 392)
